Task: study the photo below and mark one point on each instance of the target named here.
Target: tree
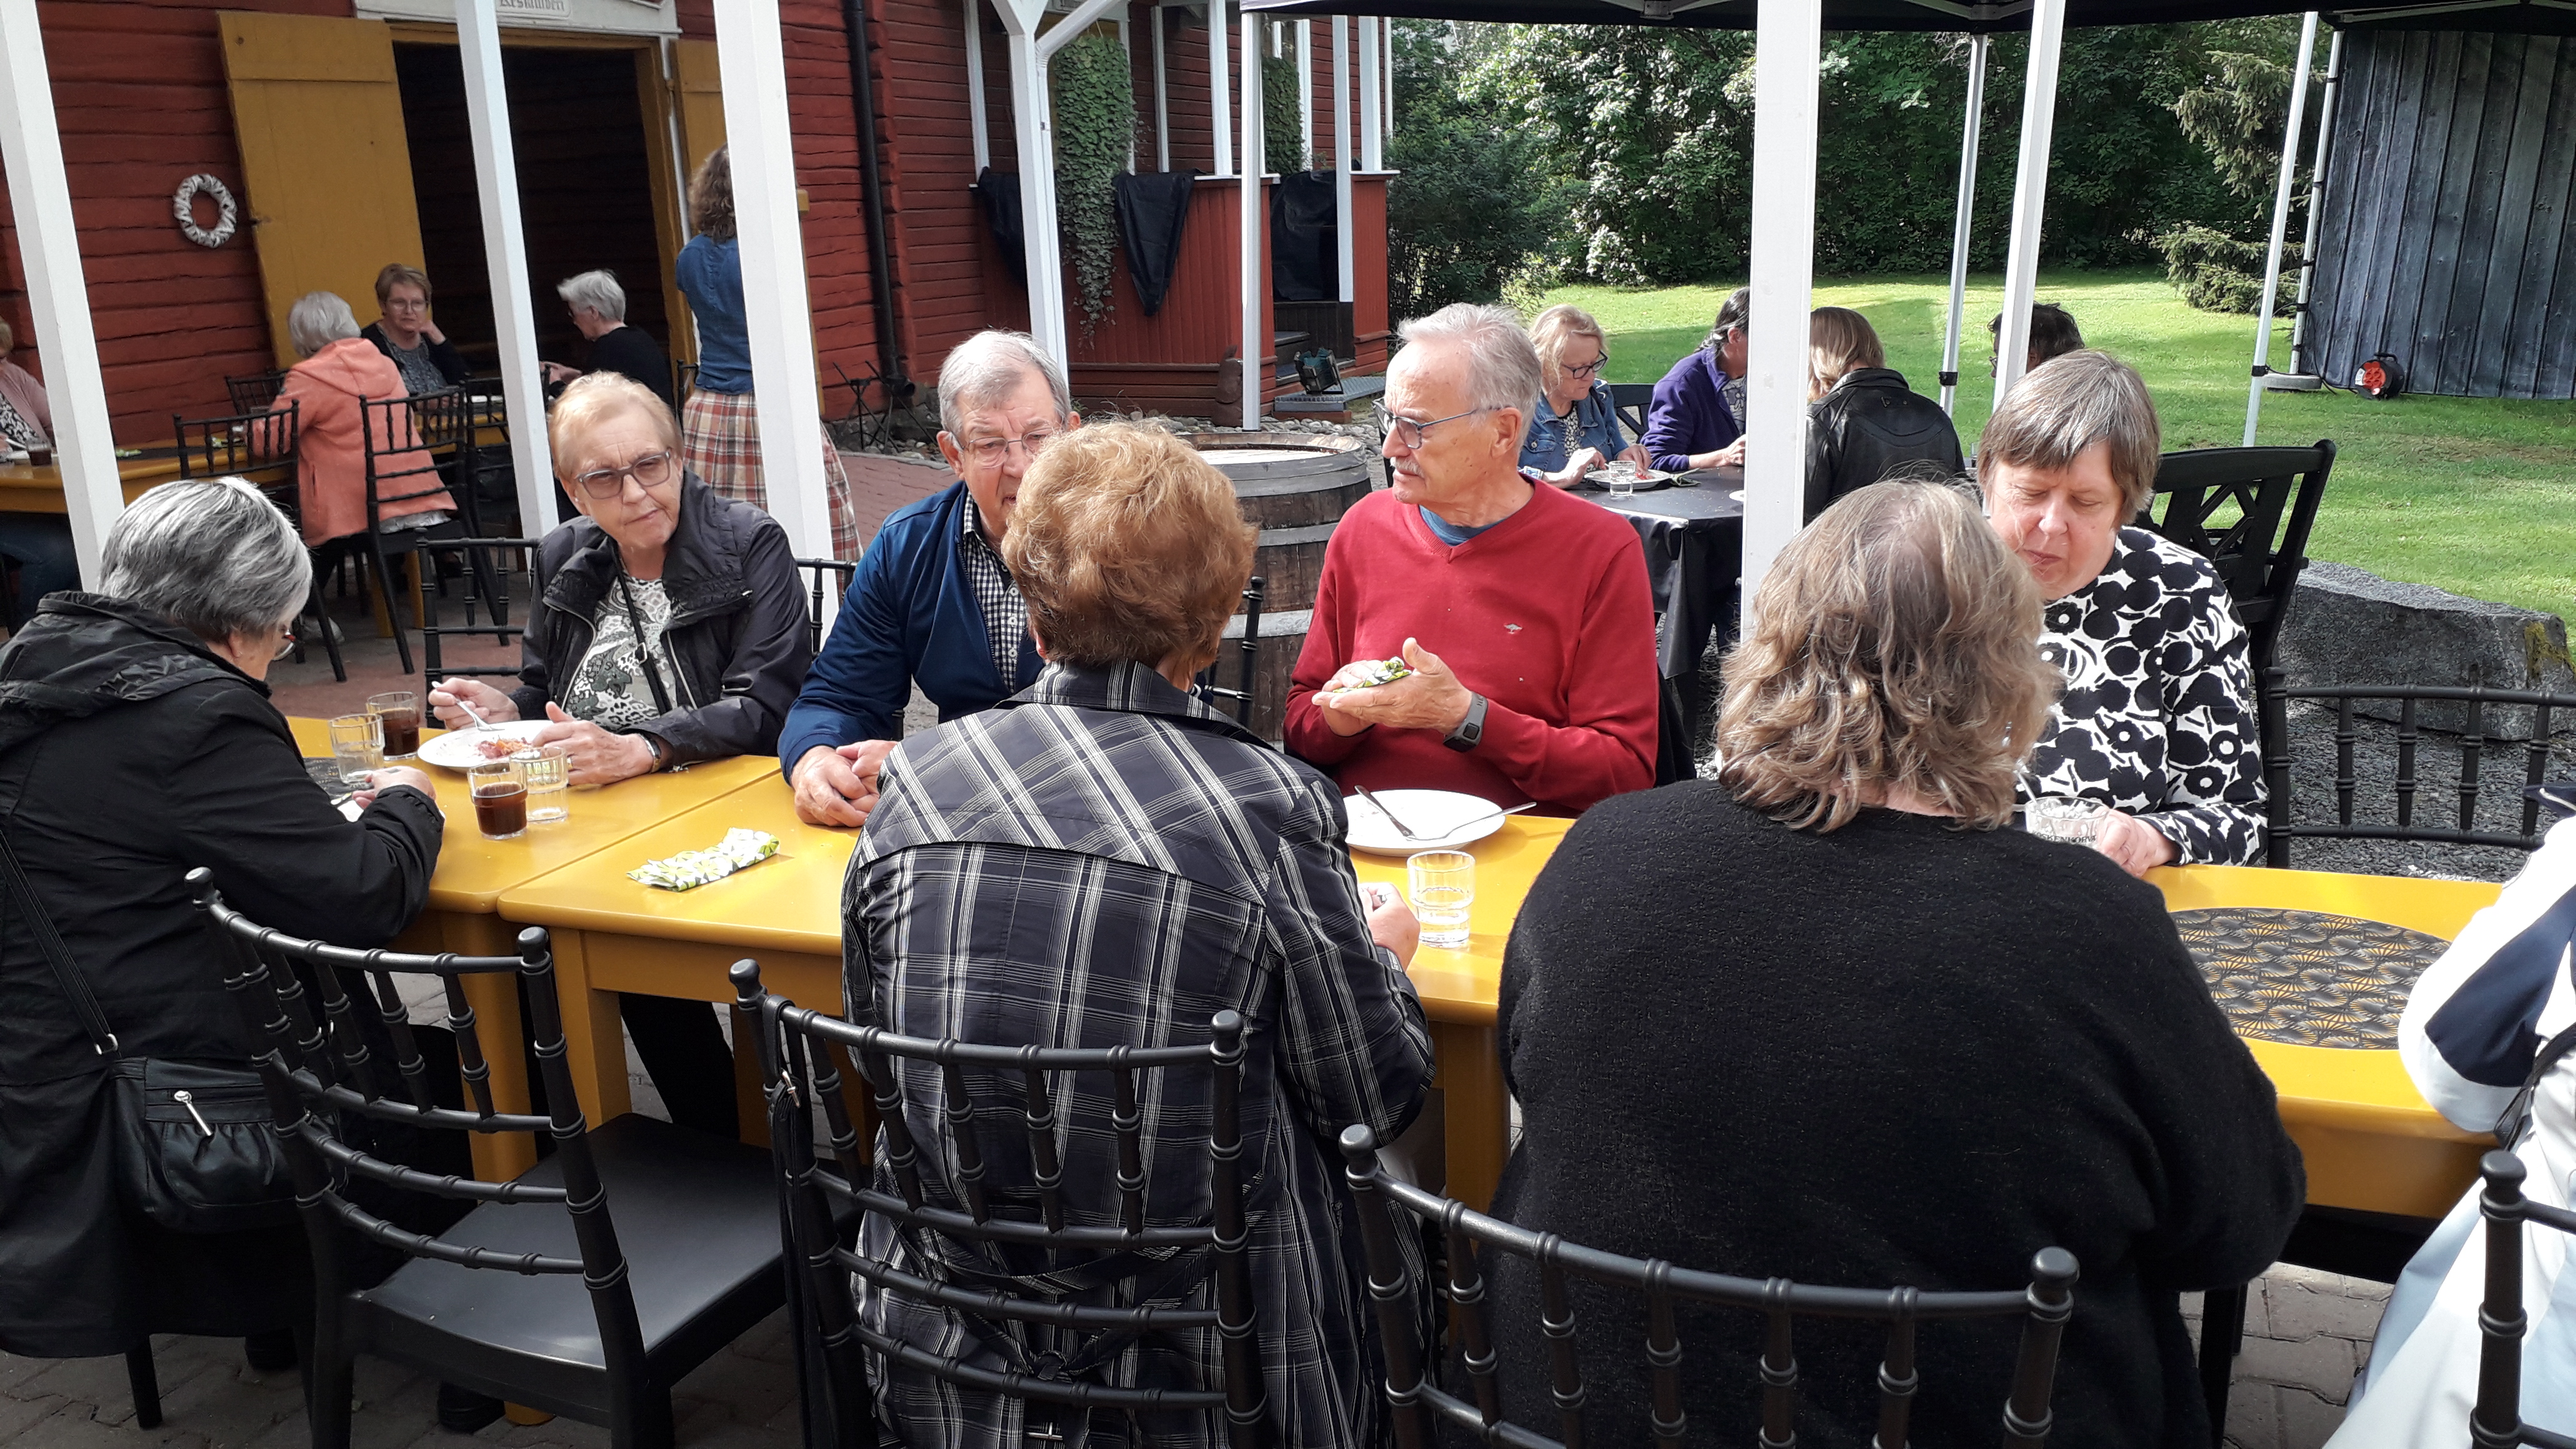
(1473, 201)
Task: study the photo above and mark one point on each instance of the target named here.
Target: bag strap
(2515, 1120)
(66, 971)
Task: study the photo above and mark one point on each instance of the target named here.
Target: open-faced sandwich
(1373, 672)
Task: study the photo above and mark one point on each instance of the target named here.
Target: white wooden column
(1969, 132)
(505, 261)
(1033, 121)
(977, 121)
(1788, 45)
(1220, 105)
(760, 144)
(1370, 96)
(1255, 222)
(40, 198)
(1386, 47)
(1306, 87)
(2030, 192)
(1342, 208)
(1162, 99)
(2280, 226)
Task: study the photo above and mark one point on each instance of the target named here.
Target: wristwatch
(1469, 730)
(661, 757)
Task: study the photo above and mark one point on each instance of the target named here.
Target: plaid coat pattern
(1103, 860)
(720, 442)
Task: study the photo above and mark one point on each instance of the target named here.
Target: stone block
(2307, 1421)
(2347, 626)
(2323, 1365)
(2253, 1416)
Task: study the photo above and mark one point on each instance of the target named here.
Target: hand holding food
(1425, 696)
(448, 697)
(1367, 674)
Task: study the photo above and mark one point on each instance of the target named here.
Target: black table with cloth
(1694, 540)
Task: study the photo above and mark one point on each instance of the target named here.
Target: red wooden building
(341, 129)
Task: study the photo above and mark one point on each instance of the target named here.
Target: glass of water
(2057, 817)
(1442, 886)
(1622, 480)
(548, 770)
(358, 745)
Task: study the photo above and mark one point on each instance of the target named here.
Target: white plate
(1440, 820)
(460, 749)
(1646, 478)
(1735, 497)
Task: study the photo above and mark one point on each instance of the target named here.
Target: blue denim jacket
(1551, 440)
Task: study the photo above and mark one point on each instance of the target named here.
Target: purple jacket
(1690, 413)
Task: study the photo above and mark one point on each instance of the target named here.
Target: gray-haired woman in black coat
(137, 743)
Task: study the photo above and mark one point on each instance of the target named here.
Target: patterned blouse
(2158, 715)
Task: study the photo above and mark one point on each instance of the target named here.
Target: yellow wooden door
(318, 112)
(702, 121)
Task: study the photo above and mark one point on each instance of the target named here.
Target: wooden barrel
(1295, 489)
(1282, 639)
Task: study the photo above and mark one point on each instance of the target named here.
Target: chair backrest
(493, 560)
(258, 447)
(320, 1075)
(2281, 828)
(684, 380)
(2248, 511)
(254, 393)
(839, 572)
(1420, 1407)
(1110, 1239)
(1631, 400)
(2497, 1417)
(1251, 651)
(404, 438)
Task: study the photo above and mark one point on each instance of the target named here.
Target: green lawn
(2473, 495)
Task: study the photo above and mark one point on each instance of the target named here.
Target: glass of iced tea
(500, 798)
(401, 713)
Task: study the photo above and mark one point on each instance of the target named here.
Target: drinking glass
(548, 771)
(1442, 886)
(1623, 479)
(2057, 817)
(400, 711)
(500, 798)
(358, 744)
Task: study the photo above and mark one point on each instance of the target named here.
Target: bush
(1473, 203)
(1095, 128)
(1283, 125)
(2217, 273)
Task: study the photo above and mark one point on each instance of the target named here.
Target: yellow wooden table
(465, 892)
(25, 488)
(2370, 1139)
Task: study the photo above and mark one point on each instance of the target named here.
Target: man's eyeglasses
(1408, 433)
(285, 641)
(1590, 369)
(993, 452)
(652, 470)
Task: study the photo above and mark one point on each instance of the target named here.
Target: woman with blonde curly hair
(1822, 1017)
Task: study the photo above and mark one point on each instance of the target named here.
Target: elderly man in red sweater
(1523, 612)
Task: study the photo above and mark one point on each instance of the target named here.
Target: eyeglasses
(652, 471)
(993, 452)
(285, 642)
(1408, 433)
(1590, 369)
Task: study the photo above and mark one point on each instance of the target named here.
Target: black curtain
(1153, 206)
(1305, 258)
(1000, 193)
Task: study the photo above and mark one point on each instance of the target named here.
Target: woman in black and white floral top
(2157, 720)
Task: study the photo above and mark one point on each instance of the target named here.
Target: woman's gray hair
(594, 292)
(990, 366)
(213, 557)
(2066, 405)
(1502, 367)
(317, 320)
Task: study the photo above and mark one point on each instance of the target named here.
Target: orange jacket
(333, 452)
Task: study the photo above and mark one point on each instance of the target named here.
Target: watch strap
(1471, 730)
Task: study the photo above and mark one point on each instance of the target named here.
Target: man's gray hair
(317, 320)
(2066, 405)
(990, 366)
(1502, 367)
(594, 292)
(213, 557)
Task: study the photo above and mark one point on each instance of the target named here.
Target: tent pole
(1969, 131)
(751, 60)
(2030, 192)
(1788, 47)
(1344, 242)
(1253, 226)
(40, 197)
(1221, 134)
(2280, 225)
(505, 260)
(2316, 202)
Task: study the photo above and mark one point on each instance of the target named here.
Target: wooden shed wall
(2446, 237)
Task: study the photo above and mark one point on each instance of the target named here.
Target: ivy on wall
(1283, 128)
(1095, 129)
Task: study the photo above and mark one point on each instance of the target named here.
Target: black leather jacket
(1867, 427)
(738, 624)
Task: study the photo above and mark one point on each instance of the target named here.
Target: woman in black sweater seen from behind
(1821, 1018)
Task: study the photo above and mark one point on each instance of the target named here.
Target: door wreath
(183, 205)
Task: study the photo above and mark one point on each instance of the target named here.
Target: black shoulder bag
(196, 1146)
(2515, 1120)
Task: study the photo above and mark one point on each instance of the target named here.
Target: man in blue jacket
(932, 603)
